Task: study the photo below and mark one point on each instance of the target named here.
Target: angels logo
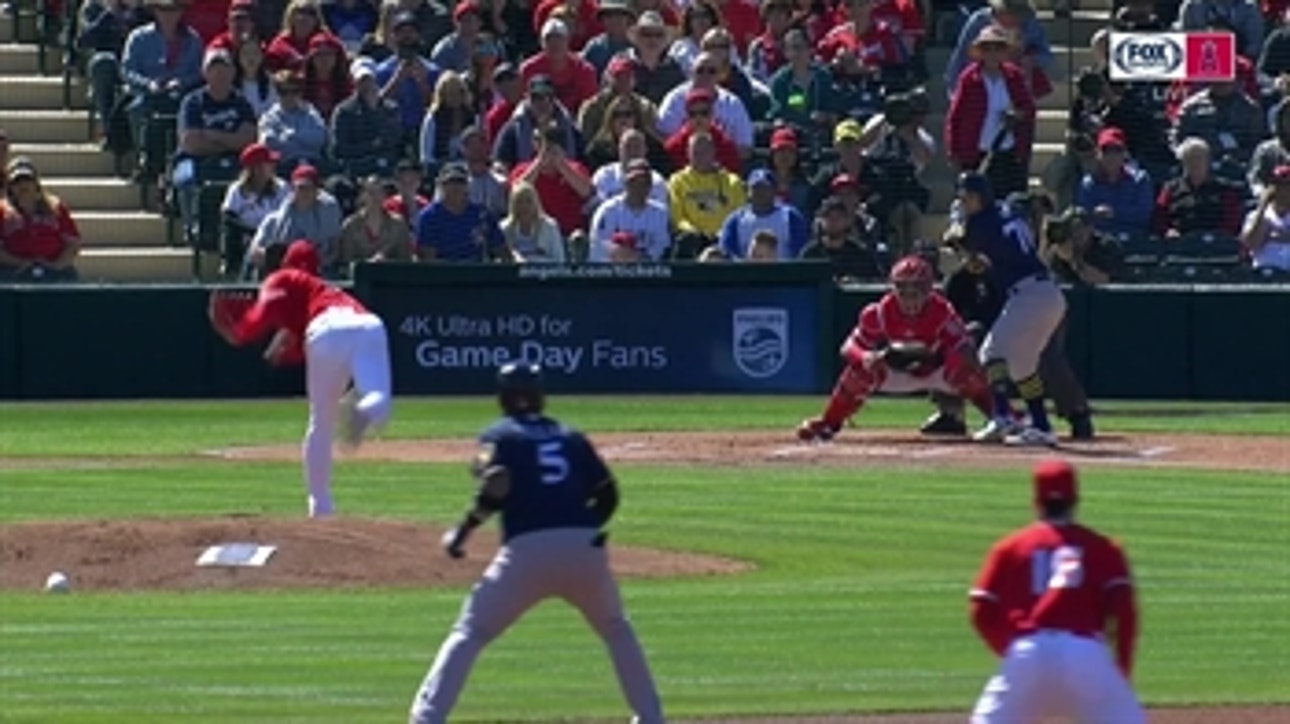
(760, 340)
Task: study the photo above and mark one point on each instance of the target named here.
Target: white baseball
(58, 582)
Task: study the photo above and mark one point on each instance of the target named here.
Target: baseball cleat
(996, 430)
(1031, 437)
(1081, 426)
(352, 424)
(816, 430)
(943, 424)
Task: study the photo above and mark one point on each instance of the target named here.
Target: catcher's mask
(911, 280)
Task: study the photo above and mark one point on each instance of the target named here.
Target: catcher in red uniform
(337, 340)
(911, 340)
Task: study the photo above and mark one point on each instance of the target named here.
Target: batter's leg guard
(996, 372)
(853, 387)
(1032, 391)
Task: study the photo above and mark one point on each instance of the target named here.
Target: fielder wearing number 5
(1042, 601)
(554, 494)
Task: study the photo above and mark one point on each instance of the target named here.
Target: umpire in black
(1076, 255)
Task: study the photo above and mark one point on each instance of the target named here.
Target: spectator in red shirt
(241, 25)
(509, 92)
(699, 110)
(904, 18)
(574, 78)
(409, 201)
(742, 19)
(207, 17)
(1196, 201)
(585, 11)
(300, 24)
(39, 240)
(766, 52)
(563, 185)
(992, 108)
(327, 80)
(872, 41)
(700, 16)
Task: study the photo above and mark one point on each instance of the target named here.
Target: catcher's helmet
(977, 183)
(912, 268)
(519, 388)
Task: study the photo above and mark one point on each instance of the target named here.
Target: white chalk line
(1157, 451)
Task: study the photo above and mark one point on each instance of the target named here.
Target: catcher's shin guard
(854, 386)
(969, 380)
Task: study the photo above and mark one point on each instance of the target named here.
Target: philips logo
(1147, 57)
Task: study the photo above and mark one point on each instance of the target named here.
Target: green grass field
(857, 602)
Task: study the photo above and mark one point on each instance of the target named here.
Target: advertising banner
(655, 338)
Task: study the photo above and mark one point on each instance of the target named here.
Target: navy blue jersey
(553, 470)
(1006, 239)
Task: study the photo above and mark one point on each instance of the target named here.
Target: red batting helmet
(912, 269)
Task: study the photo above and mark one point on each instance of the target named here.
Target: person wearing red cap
(700, 104)
(620, 83)
(1118, 194)
(728, 111)
(455, 50)
(623, 248)
(257, 193)
(326, 74)
(338, 341)
(208, 17)
(1044, 601)
(311, 214)
(1266, 233)
(785, 162)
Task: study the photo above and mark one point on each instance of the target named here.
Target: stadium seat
(208, 234)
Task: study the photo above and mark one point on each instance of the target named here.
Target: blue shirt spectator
(453, 228)
(406, 77)
(162, 56)
(764, 212)
(1012, 15)
(456, 49)
(351, 21)
(1118, 196)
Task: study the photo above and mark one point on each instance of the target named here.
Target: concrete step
(26, 28)
(34, 92)
(66, 159)
(24, 59)
(68, 127)
(114, 264)
(120, 228)
(99, 194)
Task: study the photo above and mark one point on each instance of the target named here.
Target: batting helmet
(913, 269)
(519, 388)
(975, 182)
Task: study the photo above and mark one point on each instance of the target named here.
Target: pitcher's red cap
(301, 255)
(1055, 480)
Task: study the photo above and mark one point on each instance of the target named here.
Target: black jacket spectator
(104, 30)
(366, 132)
(1274, 61)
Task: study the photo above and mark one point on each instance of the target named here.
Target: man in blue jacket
(1118, 195)
(764, 212)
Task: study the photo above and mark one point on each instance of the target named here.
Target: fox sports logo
(1148, 55)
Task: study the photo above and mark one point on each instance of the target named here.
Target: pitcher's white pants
(341, 344)
(1055, 673)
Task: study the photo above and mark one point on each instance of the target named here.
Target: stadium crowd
(657, 130)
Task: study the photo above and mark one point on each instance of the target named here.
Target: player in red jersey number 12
(1042, 601)
(337, 340)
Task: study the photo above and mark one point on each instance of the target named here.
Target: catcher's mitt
(913, 357)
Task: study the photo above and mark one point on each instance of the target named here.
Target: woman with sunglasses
(622, 116)
(699, 17)
(289, 48)
(327, 81)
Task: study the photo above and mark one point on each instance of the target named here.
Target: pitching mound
(854, 448)
(156, 554)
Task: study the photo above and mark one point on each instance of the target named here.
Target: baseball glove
(912, 357)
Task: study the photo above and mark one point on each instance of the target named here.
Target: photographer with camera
(898, 149)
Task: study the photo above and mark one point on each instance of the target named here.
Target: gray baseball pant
(557, 563)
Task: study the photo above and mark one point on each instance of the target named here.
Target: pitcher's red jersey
(290, 299)
(1054, 576)
(938, 326)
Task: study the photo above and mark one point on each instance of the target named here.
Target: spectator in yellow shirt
(702, 195)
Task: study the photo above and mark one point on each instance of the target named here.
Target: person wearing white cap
(657, 73)
(574, 79)
(365, 133)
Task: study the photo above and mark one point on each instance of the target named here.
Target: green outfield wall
(739, 329)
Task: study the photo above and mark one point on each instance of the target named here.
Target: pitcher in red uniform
(912, 312)
(1042, 601)
(336, 338)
